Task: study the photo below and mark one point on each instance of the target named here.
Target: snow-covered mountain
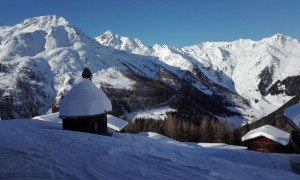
(135, 46)
(41, 58)
(265, 72)
(48, 53)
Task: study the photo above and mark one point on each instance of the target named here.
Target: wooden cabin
(92, 124)
(267, 139)
(263, 144)
(84, 107)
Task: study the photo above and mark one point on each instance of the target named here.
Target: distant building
(267, 139)
(84, 107)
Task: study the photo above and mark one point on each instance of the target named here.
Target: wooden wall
(264, 144)
(95, 124)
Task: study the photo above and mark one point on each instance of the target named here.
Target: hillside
(264, 73)
(42, 150)
(42, 57)
(276, 118)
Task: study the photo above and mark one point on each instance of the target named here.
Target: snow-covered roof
(269, 132)
(293, 113)
(115, 123)
(84, 99)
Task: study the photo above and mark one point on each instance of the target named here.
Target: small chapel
(84, 108)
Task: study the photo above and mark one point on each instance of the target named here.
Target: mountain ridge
(274, 61)
(243, 77)
(41, 60)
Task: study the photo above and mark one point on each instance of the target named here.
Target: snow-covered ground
(34, 149)
(113, 122)
(52, 117)
(113, 78)
(156, 114)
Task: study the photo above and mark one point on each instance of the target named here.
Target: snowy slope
(62, 45)
(33, 149)
(245, 60)
(124, 43)
(155, 114)
(46, 55)
(256, 70)
(42, 57)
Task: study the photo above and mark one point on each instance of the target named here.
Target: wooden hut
(84, 107)
(267, 139)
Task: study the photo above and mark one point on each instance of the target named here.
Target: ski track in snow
(34, 149)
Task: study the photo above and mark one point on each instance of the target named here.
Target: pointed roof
(84, 99)
(86, 73)
(269, 132)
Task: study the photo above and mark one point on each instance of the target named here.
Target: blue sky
(171, 22)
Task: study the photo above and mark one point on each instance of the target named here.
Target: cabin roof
(269, 132)
(293, 113)
(115, 123)
(84, 99)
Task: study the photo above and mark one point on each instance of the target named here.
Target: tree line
(206, 129)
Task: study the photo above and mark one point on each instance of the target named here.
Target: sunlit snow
(155, 114)
(34, 149)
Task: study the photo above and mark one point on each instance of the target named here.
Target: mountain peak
(45, 22)
(108, 38)
(108, 33)
(278, 35)
(136, 46)
(278, 38)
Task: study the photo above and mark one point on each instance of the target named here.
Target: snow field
(33, 149)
